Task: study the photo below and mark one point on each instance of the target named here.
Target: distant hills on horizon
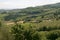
(51, 11)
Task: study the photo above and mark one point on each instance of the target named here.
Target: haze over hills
(32, 13)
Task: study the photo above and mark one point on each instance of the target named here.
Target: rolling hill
(51, 11)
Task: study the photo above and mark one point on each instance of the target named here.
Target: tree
(0, 24)
(58, 38)
(36, 36)
(17, 32)
(52, 36)
(28, 33)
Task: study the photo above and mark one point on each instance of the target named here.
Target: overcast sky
(13, 4)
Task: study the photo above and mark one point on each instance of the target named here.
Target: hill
(46, 12)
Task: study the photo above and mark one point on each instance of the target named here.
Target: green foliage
(52, 36)
(58, 38)
(17, 32)
(40, 23)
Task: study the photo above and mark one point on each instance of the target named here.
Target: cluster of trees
(21, 32)
(44, 33)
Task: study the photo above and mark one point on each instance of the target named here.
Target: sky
(19, 4)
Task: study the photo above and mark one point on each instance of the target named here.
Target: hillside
(51, 11)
